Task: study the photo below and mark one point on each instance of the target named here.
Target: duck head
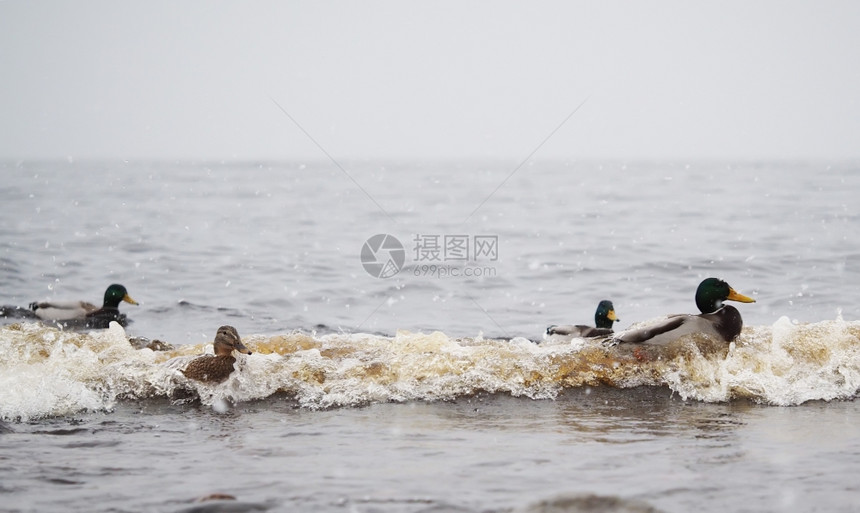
(115, 294)
(713, 291)
(605, 315)
(226, 340)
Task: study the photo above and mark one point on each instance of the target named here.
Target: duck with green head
(604, 316)
(717, 320)
(87, 314)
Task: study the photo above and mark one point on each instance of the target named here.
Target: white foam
(44, 371)
(783, 364)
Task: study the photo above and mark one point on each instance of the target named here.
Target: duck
(604, 316)
(87, 314)
(218, 367)
(722, 322)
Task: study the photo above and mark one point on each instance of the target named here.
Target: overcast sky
(400, 80)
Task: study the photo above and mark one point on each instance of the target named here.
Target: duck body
(604, 316)
(578, 331)
(724, 324)
(718, 321)
(215, 368)
(210, 368)
(62, 310)
(102, 317)
(17, 312)
(84, 313)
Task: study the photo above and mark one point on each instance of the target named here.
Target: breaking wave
(48, 372)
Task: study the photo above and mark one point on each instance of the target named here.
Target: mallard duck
(719, 321)
(218, 367)
(603, 319)
(86, 313)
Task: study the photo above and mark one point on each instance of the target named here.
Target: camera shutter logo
(382, 255)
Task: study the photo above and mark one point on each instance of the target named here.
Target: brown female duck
(218, 367)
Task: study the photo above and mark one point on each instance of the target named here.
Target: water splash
(49, 372)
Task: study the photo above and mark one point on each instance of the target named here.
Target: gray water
(476, 454)
(274, 249)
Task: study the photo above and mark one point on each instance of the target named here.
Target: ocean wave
(49, 372)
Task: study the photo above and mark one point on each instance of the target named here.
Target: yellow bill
(734, 296)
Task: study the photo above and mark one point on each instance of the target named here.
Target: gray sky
(395, 80)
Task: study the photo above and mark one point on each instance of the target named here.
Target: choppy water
(423, 392)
